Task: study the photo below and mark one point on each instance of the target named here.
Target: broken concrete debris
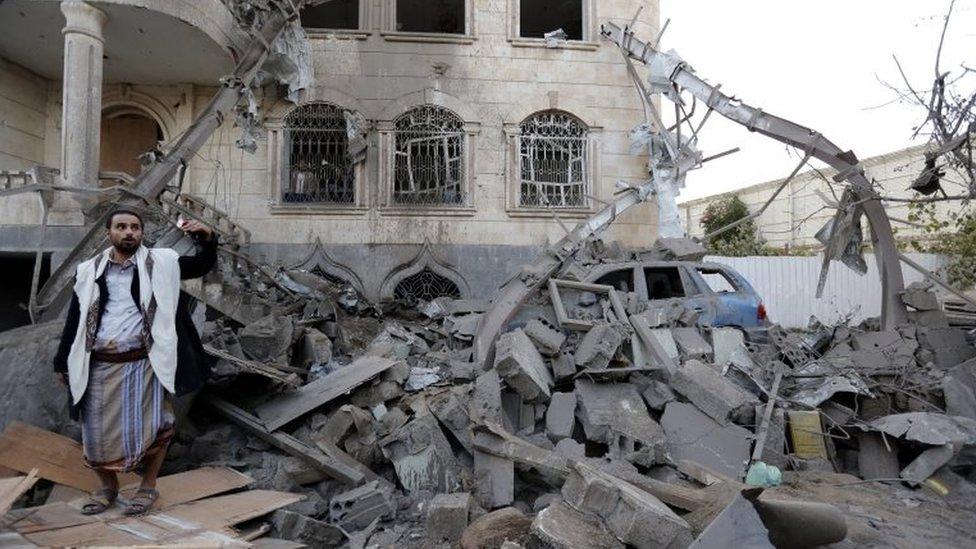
(519, 363)
(447, 518)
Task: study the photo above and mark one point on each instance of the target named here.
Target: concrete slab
(691, 344)
(494, 479)
(712, 393)
(610, 410)
(694, 436)
(598, 347)
(422, 456)
(729, 345)
(559, 526)
(548, 340)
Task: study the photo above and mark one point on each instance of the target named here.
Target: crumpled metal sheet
(842, 238)
(928, 428)
(357, 128)
(555, 38)
(816, 392)
(247, 120)
(290, 61)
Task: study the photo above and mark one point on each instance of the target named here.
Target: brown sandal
(99, 501)
(142, 502)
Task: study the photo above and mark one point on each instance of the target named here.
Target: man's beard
(127, 246)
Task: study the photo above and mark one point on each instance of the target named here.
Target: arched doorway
(127, 132)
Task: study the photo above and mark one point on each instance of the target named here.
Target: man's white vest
(164, 285)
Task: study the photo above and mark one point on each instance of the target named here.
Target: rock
(521, 366)
(693, 436)
(634, 516)
(561, 416)
(559, 526)
(357, 508)
(495, 528)
(547, 339)
(712, 393)
(447, 517)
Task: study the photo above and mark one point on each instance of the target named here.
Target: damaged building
(429, 156)
(449, 308)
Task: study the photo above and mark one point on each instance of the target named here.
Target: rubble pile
(598, 420)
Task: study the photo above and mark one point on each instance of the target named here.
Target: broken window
(426, 286)
(332, 14)
(439, 16)
(553, 161)
(663, 282)
(429, 157)
(537, 17)
(717, 281)
(319, 169)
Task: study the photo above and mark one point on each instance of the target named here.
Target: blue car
(720, 295)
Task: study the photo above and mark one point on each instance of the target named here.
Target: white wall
(788, 286)
(23, 120)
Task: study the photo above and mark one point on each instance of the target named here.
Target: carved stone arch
(428, 96)
(120, 98)
(552, 102)
(318, 94)
(318, 258)
(424, 260)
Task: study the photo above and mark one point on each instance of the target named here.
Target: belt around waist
(118, 358)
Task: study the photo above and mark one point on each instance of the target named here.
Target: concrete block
(293, 526)
(729, 345)
(357, 508)
(564, 366)
(449, 409)
(947, 344)
(547, 339)
(561, 416)
(598, 347)
(494, 479)
(610, 410)
(519, 363)
(634, 516)
(570, 449)
(447, 518)
(711, 392)
(664, 337)
(486, 399)
(559, 526)
(920, 297)
(696, 437)
(657, 395)
(691, 344)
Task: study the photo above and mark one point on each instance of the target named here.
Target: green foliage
(954, 237)
(740, 241)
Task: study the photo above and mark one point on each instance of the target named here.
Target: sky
(820, 64)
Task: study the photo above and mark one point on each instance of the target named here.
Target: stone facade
(489, 78)
(796, 215)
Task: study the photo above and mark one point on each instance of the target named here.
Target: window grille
(553, 162)
(426, 286)
(319, 169)
(429, 157)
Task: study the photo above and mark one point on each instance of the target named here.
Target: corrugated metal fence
(788, 286)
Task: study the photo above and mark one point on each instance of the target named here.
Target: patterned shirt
(121, 326)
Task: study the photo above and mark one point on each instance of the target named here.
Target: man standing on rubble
(128, 345)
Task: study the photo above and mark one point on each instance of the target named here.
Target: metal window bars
(426, 286)
(319, 169)
(553, 162)
(429, 167)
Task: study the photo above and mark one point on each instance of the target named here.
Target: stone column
(81, 94)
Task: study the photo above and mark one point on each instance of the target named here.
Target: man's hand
(192, 226)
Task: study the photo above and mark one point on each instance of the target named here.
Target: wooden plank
(13, 488)
(223, 511)
(64, 494)
(173, 490)
(289, 444)
(276, 413)
(57, 458)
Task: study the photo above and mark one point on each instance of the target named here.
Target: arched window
(553, 161)
(428, 157)
(426, 286)
(319, 168)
